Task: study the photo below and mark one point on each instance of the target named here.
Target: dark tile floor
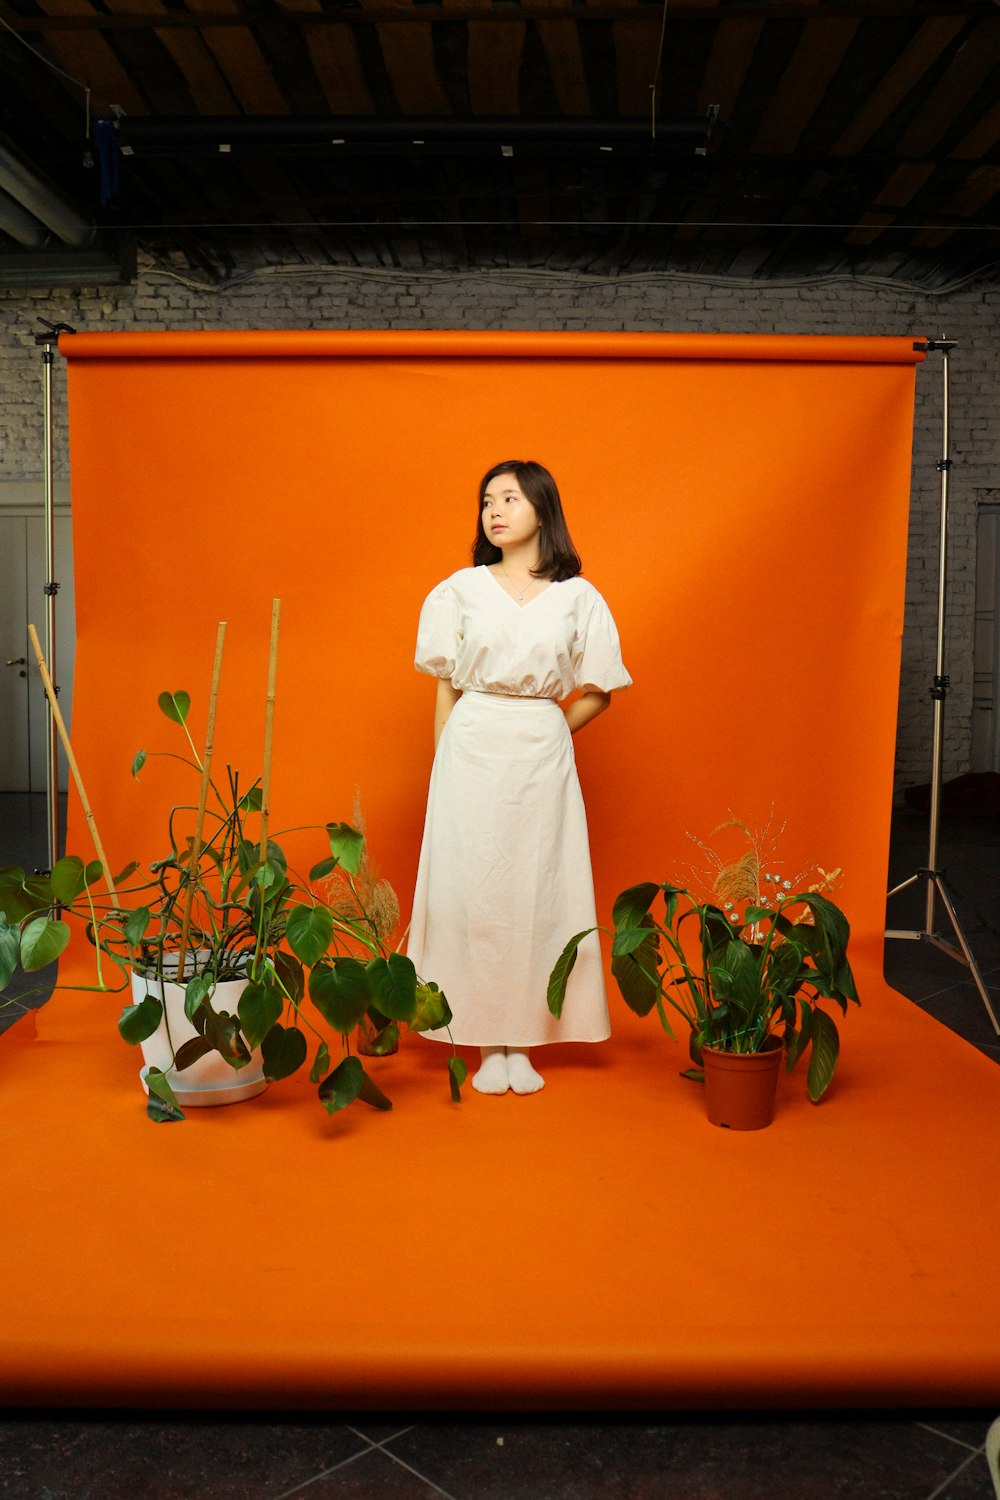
(913, 1455)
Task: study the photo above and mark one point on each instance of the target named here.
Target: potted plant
(747, 972)
(223, 943)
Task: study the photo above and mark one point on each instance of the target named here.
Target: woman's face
(508, 516)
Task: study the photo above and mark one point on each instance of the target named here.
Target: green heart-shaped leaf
(42, 941)
(175, 705)
(347, 844)
(342, 1086)
(340, 991)
(161, 1106)
(394, 986)
(284, 1051)
(138, 1022)
(308, 930)
(260, 1005)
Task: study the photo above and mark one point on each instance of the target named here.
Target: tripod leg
(977, 977)
(897, 888)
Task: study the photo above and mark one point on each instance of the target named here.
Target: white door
(22, 599)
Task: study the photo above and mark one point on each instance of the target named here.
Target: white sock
(521, 1075)
(492, 1075)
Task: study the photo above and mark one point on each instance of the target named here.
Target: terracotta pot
(210, 1080)
(740, 1086)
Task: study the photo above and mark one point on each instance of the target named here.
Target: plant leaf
(308, 930)
(457, 1074)
(138, 762)
(124, 874)
(370, 1093)
(42, 941)
(284, 1051)
(289, 973)
(175, 705)
(433, 1010)
(321, 1066)
(347, 844)
(822, 1055)
(138, 1022)
(68, 879)
(632, 973)
(161, 1106)
(10, 949)
(222, 1032)
(194, 1048)
(394, 986)
(196, 992)
(325, 867)
(564, 965)
(632, 905)
(341, 992)
(342, 1086)
(135, 927)
(259, 1006)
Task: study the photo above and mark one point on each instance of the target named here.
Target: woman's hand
(447, 697)
(586, 707)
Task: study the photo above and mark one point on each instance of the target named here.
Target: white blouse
(473, 632)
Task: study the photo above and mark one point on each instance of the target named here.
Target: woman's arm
(585, 708)
(447, 697)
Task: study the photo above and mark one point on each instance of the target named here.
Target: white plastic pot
(210, 1080)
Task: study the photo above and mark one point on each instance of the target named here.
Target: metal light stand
(933, 876)
(48, 342)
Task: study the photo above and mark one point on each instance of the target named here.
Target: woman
(504, 878)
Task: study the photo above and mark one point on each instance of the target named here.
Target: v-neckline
(528, 602)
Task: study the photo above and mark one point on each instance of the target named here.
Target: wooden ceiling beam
(196, 64)
(408, 53)
(809, 74)
(565, 59)
(732, 53)
(905, 74)
(902, 186)
(218, 13)
(338, 68)
(636, 45)
(979, 189)
(972, 64)
(89, 57)
(242, 63)
(494, 68)
(334, 56)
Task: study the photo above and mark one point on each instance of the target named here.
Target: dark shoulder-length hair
(557, 557)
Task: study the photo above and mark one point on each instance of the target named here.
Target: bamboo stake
(206, 776)
(50, 694)
(272, 676)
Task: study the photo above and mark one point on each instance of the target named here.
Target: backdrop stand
(48, 342)
(933, 875)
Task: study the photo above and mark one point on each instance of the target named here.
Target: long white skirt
(504, 879)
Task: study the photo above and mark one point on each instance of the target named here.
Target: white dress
(504, 879)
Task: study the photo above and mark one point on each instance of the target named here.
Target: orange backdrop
(742, 504)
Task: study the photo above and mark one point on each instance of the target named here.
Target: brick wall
(291, 298)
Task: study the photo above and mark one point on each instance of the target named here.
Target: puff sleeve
(439, 633)
(597, 655)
